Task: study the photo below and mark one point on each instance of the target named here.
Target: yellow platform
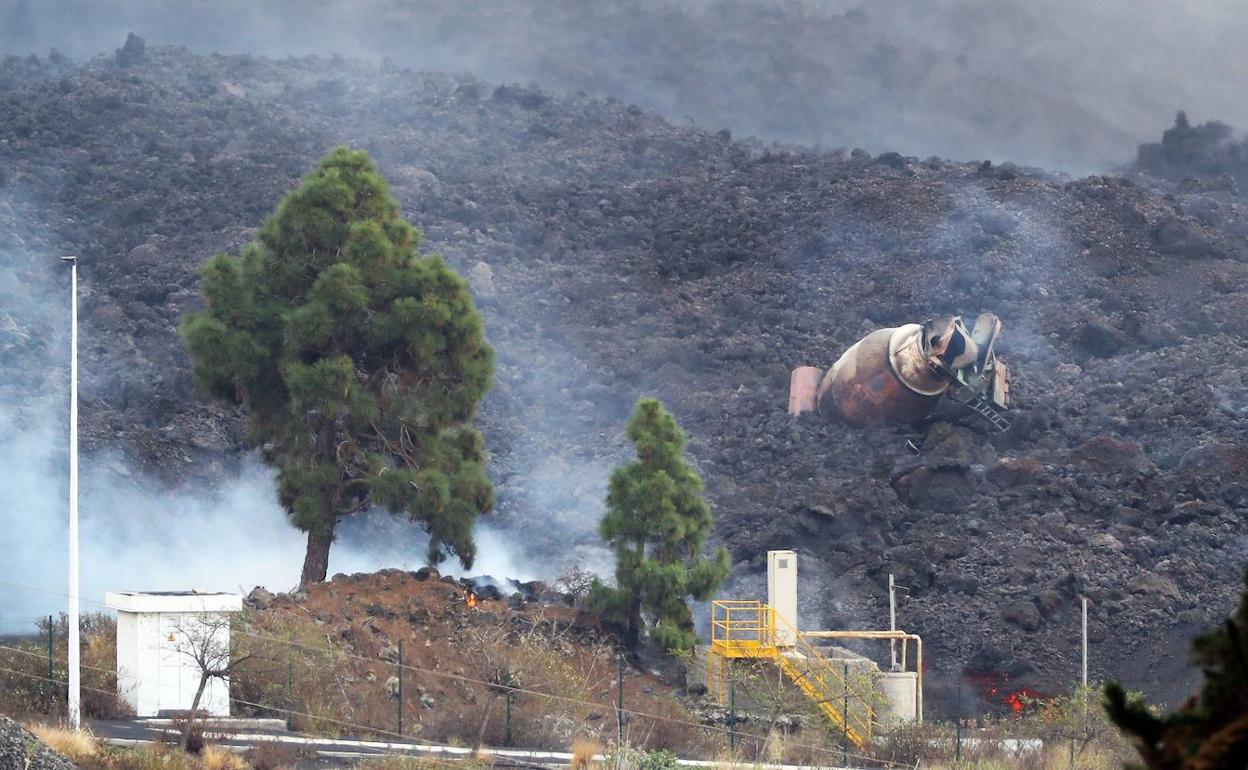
(753, 630)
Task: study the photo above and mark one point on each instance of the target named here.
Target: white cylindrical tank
(900, 690)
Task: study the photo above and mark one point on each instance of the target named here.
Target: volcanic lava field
(615, 255)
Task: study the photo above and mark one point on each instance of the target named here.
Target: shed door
(172, 661)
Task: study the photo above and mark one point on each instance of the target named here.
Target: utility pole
(619, 706)
(957, 746)
(72, 698)
(1085, 640)
(892, 619)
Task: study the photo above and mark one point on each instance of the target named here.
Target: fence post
(51, 688)
(957, 747)
(510, 696)
(845, 715)
(400, 688)
(619, 704)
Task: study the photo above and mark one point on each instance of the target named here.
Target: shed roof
(173, 601)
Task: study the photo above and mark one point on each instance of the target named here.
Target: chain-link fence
(28, 647)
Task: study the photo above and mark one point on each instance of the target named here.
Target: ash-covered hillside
(616, 255)
(1058, 83)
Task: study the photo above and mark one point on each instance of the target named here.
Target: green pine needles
(657, 523)
(359, 363)
(1209, 732)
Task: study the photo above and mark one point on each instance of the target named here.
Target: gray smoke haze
(140, 533)
(1062, 84)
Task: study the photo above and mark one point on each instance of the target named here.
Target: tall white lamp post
(72, 700)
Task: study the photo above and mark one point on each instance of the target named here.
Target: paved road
(326, 753)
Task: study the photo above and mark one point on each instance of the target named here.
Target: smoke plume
(1057, 83)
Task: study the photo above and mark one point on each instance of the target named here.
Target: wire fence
(499, 688)
(20, 629)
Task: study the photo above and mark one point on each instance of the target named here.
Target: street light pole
(72, 698)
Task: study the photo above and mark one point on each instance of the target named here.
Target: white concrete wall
(155, 673)
(128, 674)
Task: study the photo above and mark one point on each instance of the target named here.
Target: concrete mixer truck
(898, 375)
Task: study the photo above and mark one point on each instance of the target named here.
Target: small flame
(471, 600)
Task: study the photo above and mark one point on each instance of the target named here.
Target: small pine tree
(1210, 731)
(657, 523)
(359, 362)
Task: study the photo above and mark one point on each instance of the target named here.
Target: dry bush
(670, 729)
(194, 736)
(295, 668)
(77, 745)
(575, 582)
(583, 753)
(27, 692)
(220, 758)
(148, 757)
(272, 755)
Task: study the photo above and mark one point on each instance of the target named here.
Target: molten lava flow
(1022, 698)
(470, 599)
(995, 688)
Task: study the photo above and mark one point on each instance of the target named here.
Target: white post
(72, 699)
(1085, 640)
(892, 619)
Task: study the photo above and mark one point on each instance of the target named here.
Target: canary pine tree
(359, 363)
(1210, 731)
(657, 523)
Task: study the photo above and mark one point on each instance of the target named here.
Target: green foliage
(660, 759)
(359, 362)
(1209, 732)
(657, 523)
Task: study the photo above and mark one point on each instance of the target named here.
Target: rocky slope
(21, 748)
(1048, 83)
(617, 255)
(331, 654)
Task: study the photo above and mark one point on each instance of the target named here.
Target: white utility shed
(155, 632)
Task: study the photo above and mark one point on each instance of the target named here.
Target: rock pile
(20, 748)
(616, 255)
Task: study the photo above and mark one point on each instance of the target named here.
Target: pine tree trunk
(316, 558)
(635, 625)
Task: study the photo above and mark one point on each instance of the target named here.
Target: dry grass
(218, 758)
(583, 753)
(77, 745)
(1090, 759)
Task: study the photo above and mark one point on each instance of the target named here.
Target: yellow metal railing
(742, 629)
(842, 700)
(748, 629)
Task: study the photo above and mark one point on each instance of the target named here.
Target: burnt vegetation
(615, 255)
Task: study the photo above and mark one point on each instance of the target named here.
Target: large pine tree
(657, 523)
(359, 363)
(1210, 731)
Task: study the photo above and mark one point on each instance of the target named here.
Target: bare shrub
(271, 755)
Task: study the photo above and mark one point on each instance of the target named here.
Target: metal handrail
(831, 682)
(748, 628)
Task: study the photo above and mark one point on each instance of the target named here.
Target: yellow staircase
(748, 629)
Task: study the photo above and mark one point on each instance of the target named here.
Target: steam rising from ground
(1057, 83)
(140, 534)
